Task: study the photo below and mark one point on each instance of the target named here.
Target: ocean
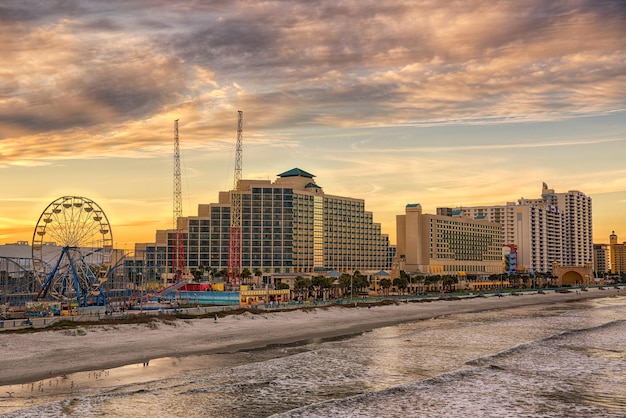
(562, 360)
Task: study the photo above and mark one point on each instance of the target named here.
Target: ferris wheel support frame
(82, 295)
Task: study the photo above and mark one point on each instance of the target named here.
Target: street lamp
(351, 286)
(141, 292)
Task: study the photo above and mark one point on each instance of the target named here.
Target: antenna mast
(178, 259)
(234, 254)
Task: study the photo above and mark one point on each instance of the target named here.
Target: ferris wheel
(72, 246)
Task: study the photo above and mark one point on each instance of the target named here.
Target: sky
(442, 103)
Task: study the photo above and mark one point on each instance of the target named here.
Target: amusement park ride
(82, 231)
(72, 244)
(234, 253)
(178, 258)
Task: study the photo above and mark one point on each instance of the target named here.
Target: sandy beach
(30, 357)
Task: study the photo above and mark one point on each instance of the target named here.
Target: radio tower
(178, 256)
(234, 254)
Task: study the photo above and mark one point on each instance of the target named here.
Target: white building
(554, 228)
(577, 225)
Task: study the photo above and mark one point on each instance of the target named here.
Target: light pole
(351, 286)
(141, 293)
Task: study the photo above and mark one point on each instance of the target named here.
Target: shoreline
(31, 357)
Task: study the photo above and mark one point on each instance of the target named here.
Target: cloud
(58, 79)
(94, 79)
(489, 147)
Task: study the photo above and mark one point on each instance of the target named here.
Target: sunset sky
(443, 103)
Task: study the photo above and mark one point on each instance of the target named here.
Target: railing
(38, 322)
(7, 324)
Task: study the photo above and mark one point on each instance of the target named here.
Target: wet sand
(30, 357)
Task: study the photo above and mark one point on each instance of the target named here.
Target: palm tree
(448, 282)
(203, 269)
(301, 285)
(221, 273)
(359, 281)
(432, 281)
(419, 279)
(401, 284)
(345, 282)
(407, 277)
(281, 285)
(327, 286)
(323, 283)
(385, 284)
(197, 275)
(209, 272)
(245, 275)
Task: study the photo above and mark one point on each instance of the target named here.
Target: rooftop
(296, 172)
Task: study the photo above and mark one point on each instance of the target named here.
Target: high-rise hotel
(448, 244)
(288, 226)
(556, 228)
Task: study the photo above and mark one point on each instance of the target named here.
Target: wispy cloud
(89, 64)
(92, 80)
(358, 147)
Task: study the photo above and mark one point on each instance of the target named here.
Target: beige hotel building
(448, 245)
(289, 226)
(617, 255)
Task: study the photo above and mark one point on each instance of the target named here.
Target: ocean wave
(574, 374)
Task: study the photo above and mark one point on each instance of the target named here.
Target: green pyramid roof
(296, 172)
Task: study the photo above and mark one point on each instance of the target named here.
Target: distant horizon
(414, 101)
(392, 242)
